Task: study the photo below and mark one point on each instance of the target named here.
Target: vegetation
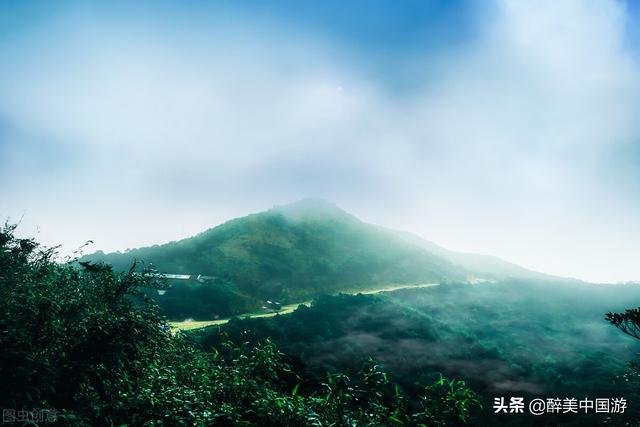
(90, 341)
(204, 301)
(629, 323)
(514, 338)
(289, 254)
(84, 341)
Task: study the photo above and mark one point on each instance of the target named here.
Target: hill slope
(295, 252)
(481, 266)
(291, 253)
(515, 337)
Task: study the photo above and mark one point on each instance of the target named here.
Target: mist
(515, 136)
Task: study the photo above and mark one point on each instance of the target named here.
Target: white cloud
(500, 151)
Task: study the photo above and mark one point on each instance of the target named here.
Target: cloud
(503, 145)
(514, 141)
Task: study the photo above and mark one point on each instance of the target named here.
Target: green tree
(628, 321)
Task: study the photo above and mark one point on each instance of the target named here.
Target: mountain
(481, 266)
(295, 252)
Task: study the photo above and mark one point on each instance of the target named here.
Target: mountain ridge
(296, 252)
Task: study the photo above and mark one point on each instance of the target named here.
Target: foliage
(203, 301)
(447, 402)
(85, 341)
(628, 322)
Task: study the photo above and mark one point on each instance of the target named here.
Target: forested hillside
(513, 338)
(296, 252)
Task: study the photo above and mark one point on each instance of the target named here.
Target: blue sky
(501, 127)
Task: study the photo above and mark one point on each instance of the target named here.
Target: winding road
(286, 309)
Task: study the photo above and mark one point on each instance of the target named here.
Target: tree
(628, 322)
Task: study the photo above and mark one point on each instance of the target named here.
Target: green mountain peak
(295, 252)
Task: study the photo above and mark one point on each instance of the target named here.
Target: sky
(502, 127)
